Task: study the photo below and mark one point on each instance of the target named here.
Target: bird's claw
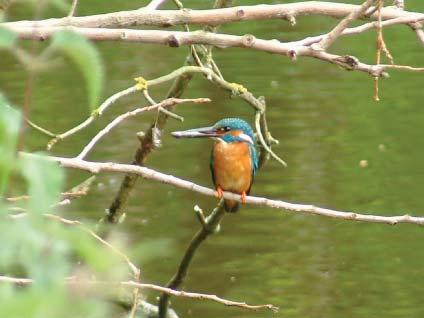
(219, 193)
(243, 197)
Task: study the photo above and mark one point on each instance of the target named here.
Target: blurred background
(327, 123)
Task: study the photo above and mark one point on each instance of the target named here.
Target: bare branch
(263, 142)
(40, 129)
(167, 18)
(96, 167)
(200, 296)
(132, 284)
(342, 25)
(176, 38)
(210, 75)
(98, 112)
(362, 28)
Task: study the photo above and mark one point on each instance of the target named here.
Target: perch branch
(96, 167)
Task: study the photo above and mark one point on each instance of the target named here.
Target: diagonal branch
(342, 25)
(165, 103)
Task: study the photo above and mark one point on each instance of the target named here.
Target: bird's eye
(224, 129)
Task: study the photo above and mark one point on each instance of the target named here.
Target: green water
(326, 121)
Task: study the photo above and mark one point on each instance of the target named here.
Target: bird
(233, 160)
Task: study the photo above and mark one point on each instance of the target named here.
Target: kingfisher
(233, 161)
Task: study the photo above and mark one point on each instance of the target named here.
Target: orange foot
(243, 197)
(219, 192)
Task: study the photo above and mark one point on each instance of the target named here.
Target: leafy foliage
(45, 250)
(7, 38)
(9, 129)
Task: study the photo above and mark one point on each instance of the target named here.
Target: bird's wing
(211, 163)
(255, 164)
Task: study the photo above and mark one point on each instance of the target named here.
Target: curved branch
(96, 167)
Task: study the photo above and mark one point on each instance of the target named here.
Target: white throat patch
(246, 138)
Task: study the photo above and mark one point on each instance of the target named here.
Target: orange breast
(232, 166)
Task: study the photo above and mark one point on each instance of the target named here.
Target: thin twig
(98, 112)
(215, 298)
(96, 167)
(360, 29)
(329, 38)
(161, 109)
(379, 43)
(73, 9)
(403, 67)
(137, 285)
(40, 129)
(262, 140)
(165, 103)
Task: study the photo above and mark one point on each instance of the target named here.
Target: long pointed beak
(196, 133)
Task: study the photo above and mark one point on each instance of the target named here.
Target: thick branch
(96, 167)
(166, 18)
(176, 38)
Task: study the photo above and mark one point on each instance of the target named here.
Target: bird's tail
(231, 206)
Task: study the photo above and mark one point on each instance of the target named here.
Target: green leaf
(7, 38)
(10, 120)
(44, 180)
(86, 57)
